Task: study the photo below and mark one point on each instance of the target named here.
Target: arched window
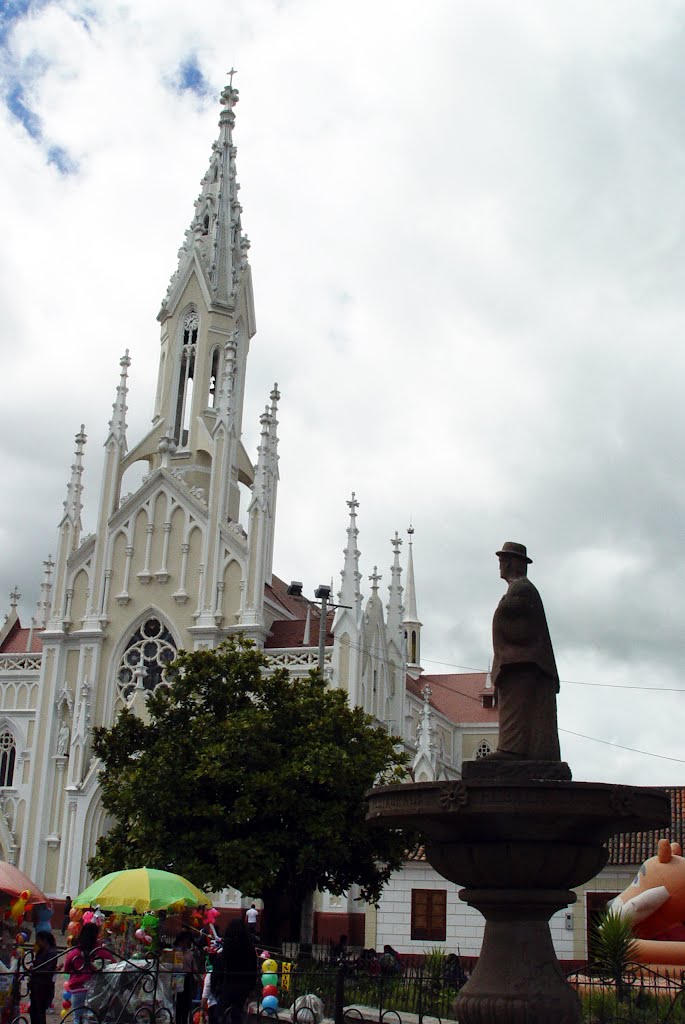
(205, 224)
(191, 326)
(146, 659)
(412, 660)
(8, 755)
(483, 749)
(214, 379)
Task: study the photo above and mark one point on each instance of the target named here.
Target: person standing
(79, 965)
(42, 977)
(235, 972)
(252, 916)
(183, 944)
(67, 911)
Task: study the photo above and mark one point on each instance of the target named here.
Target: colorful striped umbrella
(139, 889)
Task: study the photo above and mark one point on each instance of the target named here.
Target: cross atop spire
(15, 596)
(215, 235)
(375, 580)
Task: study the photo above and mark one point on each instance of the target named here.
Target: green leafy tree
(251, 779)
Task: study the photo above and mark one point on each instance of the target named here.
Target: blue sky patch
(59, 158)
(189, 77)
(16, 102)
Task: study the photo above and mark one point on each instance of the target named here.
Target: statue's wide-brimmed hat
(510, 547)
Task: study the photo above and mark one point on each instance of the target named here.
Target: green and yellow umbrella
(139, 889)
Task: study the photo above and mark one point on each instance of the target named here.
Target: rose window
(146, 659)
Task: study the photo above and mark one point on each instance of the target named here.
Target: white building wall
(464, 924)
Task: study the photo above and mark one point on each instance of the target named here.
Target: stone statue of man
(524, 671)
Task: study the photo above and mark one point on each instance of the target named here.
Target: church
(181, 563)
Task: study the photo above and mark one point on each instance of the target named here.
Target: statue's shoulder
(522, 587)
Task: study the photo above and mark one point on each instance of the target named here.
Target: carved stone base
(510, 768)
(517, 979)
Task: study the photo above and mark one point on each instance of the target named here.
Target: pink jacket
(78, 966)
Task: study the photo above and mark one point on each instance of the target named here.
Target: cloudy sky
(468, 248)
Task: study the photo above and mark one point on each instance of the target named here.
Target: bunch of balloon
(66, 1000)
(269, 986)
(74, 926)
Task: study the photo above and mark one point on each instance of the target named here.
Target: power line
(582, 735)
(567, 682)
(621, 746)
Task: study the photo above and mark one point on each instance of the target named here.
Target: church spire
(68, 539)
(73, 505)
(117, 424)
(349, 593)
(395, 608)
(412, 625)
(215, 235)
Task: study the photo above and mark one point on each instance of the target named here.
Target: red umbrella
(13, 882)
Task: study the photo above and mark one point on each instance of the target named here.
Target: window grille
(146, 659)
(8, 755)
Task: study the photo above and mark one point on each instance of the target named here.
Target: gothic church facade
(179, 564)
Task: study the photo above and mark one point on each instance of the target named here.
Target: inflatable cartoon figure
(655, 904)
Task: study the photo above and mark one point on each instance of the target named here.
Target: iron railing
(147, 991)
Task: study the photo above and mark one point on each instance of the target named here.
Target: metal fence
(150, 991)
(636, 996)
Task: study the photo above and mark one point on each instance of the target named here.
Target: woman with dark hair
(235, 972)
(79, 965)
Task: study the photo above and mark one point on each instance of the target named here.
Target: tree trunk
(307, 917)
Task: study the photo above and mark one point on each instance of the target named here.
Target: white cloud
(467, 228)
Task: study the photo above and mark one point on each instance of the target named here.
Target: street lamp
(322, 595)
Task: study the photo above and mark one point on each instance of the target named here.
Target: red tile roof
(290, 632)
(457, 696)
(17, 641)
(278, 592)
(636, 847)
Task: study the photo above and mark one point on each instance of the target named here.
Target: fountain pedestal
(518, 846)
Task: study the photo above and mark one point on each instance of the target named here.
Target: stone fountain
(515, 831)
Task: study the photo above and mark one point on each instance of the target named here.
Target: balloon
(66, 986)
(211, 915)
(72, 928)
(269, 979)
(88, 916)
(66, 1005)
(269, 967)
(269, 990)
(66, 995)
(19, 906)
(270, 1003)
(264, 955)
(73, 914)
